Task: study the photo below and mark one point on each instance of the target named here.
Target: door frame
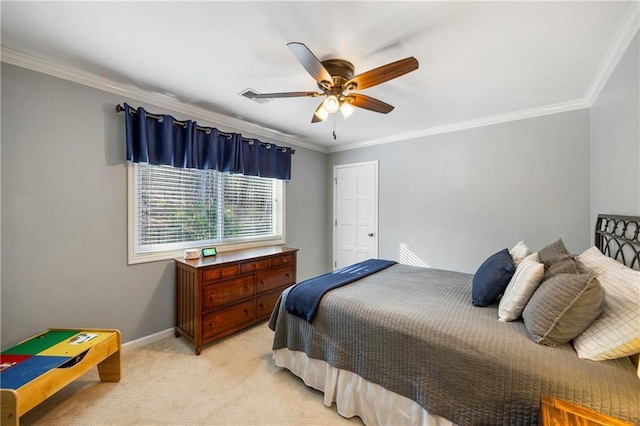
(334, 221)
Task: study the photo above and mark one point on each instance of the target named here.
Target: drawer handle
(212, 297)
(261, 282)
(288, 275)
(262, 305)
(211, 325)
(246, 311)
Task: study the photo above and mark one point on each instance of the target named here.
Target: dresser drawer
(233, 317)
(287, 259)
(265, 304)
(270, 280)
(253, 266)
(216, 273)
(225, 292)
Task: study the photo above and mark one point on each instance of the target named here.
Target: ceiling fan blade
(384, 73)
(367, 102)
(310, 62)
(253, 95)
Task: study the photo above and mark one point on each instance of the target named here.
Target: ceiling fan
(335, 78)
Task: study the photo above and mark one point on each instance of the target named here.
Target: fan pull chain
(334, 127)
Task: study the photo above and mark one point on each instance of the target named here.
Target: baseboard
(147, 340)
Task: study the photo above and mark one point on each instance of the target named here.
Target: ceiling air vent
(250, 94)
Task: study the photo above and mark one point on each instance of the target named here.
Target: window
(172, 209)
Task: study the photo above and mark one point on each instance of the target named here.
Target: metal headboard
(619, 238)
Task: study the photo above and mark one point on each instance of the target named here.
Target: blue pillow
(492, 278)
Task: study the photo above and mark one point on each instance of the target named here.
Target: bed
(405, 345)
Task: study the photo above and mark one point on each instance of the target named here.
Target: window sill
(136, 258)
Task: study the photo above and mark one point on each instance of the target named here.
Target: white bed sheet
(355, 396)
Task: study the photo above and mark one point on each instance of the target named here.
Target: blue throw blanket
(303, 298)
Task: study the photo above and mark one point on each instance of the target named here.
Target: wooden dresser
(219, 295)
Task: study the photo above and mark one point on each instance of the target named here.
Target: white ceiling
(480, 62)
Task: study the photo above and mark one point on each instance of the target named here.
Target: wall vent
(249, 93)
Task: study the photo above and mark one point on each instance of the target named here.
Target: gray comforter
(414, 331)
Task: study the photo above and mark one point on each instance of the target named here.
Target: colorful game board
(38, 367)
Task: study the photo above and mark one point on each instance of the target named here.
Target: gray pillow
(549, 253)
(563, 307)
(560, 264)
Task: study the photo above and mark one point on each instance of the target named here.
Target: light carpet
(233, 382)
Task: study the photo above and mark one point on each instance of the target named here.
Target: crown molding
(470, 124)
(163, 101)
(621, 41)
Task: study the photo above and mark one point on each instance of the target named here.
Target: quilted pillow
(492, 278)
(563, 307)
(519, 290)
(593, 260)
(550, 252)
(616, 332)
(519, 252)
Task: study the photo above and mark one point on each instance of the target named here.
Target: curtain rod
(120, 108)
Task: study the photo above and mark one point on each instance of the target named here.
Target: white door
(355, 213)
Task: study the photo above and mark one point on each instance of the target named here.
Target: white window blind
(173, 209)
(248, 207)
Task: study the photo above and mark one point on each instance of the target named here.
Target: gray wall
(615, 140)
(451, 199)
(305, 215)
(456, 198)
(64, 214)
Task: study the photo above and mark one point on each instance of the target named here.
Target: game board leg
(109, 369)
(9, 408)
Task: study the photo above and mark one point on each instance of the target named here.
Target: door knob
(370, 234)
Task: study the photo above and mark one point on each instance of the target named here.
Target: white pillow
(519, 252)
(523, 284)
(616, 332)
(593, 260)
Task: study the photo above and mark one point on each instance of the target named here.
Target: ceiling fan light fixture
(346, 109)
(322, 114)
(331, 104)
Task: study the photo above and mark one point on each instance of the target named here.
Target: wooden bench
(40, 366)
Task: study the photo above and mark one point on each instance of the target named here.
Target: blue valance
(160, 139)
